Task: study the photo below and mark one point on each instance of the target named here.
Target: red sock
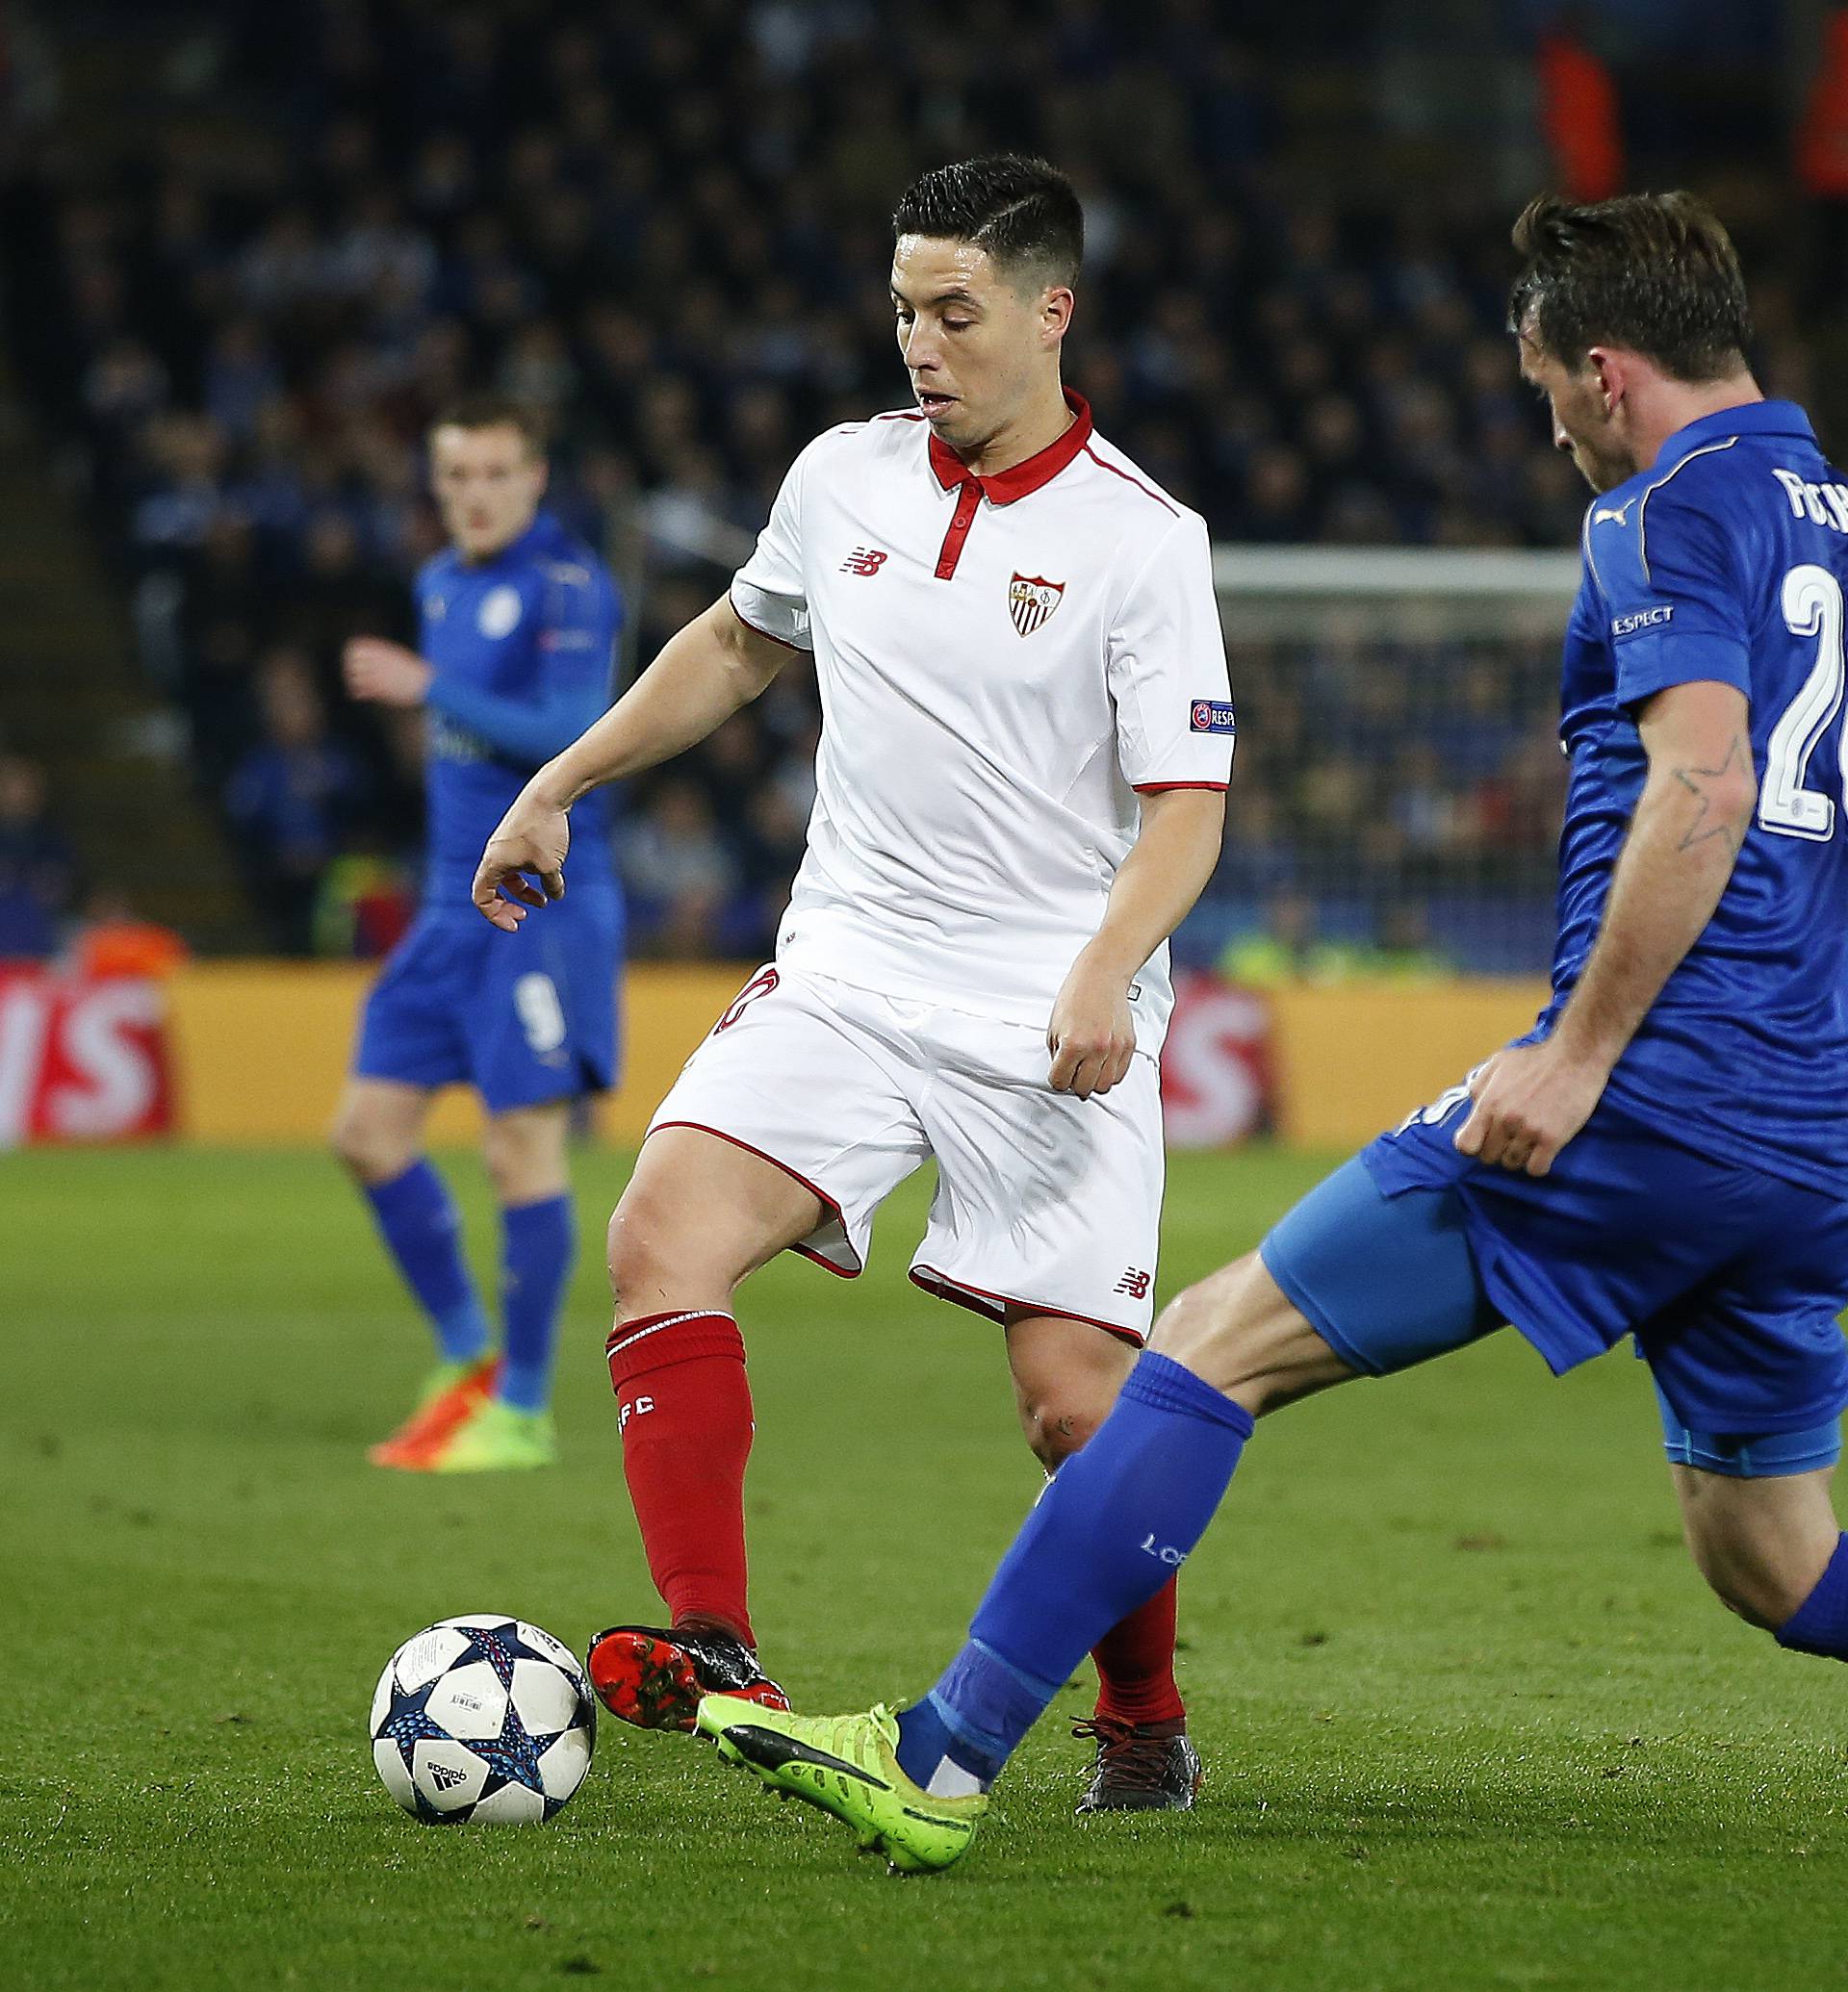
(1136, 1665)
(685, 1409)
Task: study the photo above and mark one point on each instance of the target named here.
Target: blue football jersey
(1724, 561)
(522, 647)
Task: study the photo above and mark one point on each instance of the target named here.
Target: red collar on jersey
(1026, 476)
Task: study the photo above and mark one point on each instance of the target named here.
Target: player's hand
(1529, 1102)
(385, 673)
(1092, 1035)
(532, 837)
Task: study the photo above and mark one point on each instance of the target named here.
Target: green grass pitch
(1470, 1717)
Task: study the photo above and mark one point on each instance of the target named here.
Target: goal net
(1395, 806)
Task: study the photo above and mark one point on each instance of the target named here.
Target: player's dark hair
(1656, 272)
(1023, 212)
(489, 411)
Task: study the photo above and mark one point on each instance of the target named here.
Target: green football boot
(847, 1765)
(498, 1439)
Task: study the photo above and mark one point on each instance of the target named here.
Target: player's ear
(1056, 307)
(1613, 366)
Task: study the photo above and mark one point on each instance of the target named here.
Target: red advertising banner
(1217, 1077)
(82, 1059)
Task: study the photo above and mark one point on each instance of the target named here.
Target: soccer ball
(482, 1718)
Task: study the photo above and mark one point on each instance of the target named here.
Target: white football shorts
(1045, 1202)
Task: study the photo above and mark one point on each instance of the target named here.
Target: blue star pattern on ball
(499, 1645)
(407, 1725)
(513, 1756)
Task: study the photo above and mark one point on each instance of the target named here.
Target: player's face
(487, 484)
(977, 349)
(1585, 421)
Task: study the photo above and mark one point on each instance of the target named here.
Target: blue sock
(1819, 1625)
(423, 1232)
(941, 1745)
(1117, 1520)
(537, 1242)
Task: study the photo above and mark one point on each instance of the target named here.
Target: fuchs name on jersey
(1822, 505)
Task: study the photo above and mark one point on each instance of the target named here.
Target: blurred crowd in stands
(668, 230)
(39, 877)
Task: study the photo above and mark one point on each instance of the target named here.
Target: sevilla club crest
(1032, 599)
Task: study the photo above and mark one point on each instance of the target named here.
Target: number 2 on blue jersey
(1812, 606)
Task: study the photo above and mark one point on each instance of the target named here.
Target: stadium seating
(244, 306)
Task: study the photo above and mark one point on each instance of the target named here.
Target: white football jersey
(1004, 662)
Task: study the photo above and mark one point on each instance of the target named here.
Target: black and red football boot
(655, 1675)
(1141, 1767)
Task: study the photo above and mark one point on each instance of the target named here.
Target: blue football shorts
(1728, 1280)
(527, 1018)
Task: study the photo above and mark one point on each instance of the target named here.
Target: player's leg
(378, 1135)
(1066, 1374)
(536, 1013)
(1762, 1530)
(524, 1151)
(1763, 1533)
(1351, 1281)
(1756, 1347)
(409, 1045)
(786, 1129)
(1119, 1518)
(1047, 1218)
(378, 1130)
(1106, 1535)
(700, 1215)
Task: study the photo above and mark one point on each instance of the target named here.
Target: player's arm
(571, 693)
(383, 673)
(1092, 1034)
(702, 676)
(1165, 668)
(1684, 842)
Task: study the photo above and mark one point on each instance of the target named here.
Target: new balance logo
(1134, 1284)
(863, 560)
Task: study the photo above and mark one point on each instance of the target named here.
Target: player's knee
(368, 1148)
(1211, 1328)
(1058, 1421)
(1238, 1331)
(656, 1262)
(524, 1162)
(1759, 1590)
(1749, 1597)
(630, 1253)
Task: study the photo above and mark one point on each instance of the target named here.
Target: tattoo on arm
(1695, 780)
